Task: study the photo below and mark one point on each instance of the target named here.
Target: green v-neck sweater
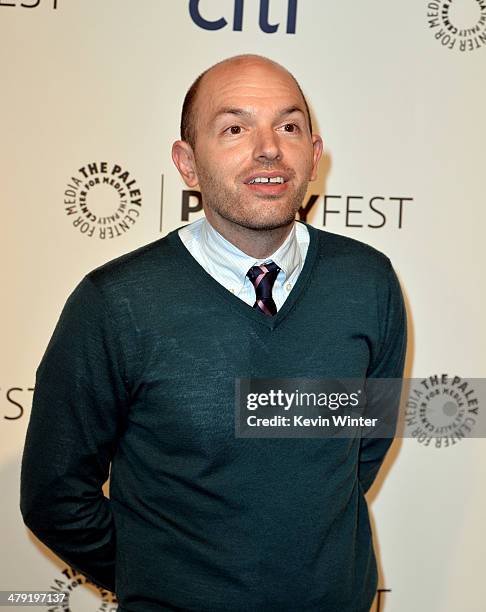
(140, 374)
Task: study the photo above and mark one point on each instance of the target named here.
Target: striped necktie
(263, 278)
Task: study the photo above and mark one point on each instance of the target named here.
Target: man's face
(254, 154)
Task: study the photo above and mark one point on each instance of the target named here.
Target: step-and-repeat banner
(90, 104)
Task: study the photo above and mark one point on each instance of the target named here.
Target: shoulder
(138, 268)
(347, 252)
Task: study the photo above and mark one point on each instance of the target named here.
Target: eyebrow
(241, 112)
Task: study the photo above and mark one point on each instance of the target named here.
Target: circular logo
(441, 408)
(102, 200)
(458, 24)
(91, 598)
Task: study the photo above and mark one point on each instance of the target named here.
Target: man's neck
(257, 243)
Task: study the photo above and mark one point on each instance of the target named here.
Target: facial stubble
(263, 212)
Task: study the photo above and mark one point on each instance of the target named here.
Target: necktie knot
(263, 278)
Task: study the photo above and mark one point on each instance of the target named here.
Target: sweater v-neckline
(199, 275)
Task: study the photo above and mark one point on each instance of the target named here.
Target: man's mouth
(268, 183)
(263, 179)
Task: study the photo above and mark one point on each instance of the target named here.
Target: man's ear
(317, 146)
(183, 158)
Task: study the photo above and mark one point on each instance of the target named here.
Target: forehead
(252, 85)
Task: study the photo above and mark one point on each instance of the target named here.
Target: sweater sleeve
(77, 416)
(389, 363)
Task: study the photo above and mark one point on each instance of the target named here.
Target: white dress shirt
(228, 264)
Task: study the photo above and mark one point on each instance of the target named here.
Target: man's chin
(266, 224)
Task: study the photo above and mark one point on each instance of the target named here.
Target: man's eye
(234, 129)
(291, 127)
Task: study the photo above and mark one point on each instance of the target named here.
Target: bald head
(202, 86)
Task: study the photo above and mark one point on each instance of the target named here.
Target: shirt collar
(236, 263)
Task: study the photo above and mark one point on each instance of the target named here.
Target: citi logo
(265, 26)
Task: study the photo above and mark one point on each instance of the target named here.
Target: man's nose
(267, 145)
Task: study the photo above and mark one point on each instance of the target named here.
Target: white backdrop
(398, 92)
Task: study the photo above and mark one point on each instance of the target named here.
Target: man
(140, 374)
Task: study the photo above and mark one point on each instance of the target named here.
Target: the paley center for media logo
(458, 25)
(80, 594)
(102, 200)
(442, 410)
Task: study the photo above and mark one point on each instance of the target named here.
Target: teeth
(263, 179)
